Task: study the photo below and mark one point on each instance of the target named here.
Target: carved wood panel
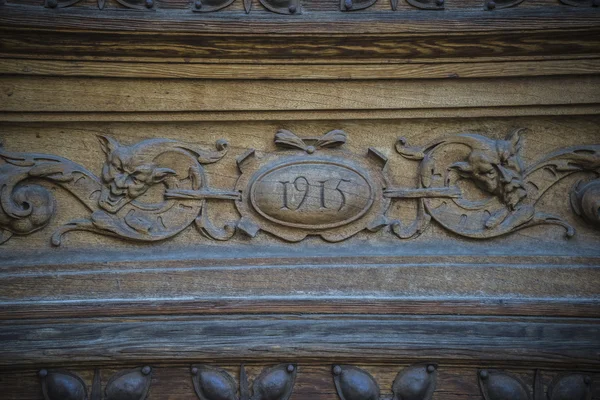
(484, 192)
(291, 200)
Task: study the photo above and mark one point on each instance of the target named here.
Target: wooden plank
(295, 47)
(34, 94)
(574, 308)
(453, 340)
(297, 71)
(202, 284)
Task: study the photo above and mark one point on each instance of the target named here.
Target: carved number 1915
(301, 184)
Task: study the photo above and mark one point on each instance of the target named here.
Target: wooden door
(299, 199)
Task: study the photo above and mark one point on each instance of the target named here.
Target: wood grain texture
(48, 94)
(451, 340)
(325, 282)
(518, 303)
(108, 69)
(379, 46)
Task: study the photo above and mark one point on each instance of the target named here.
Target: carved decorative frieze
(294, 7)
(416, 382)
(275, 383)
(471, 185)
(131, 384)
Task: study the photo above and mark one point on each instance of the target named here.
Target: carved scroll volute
(585, 201)
(570, 386)
(354, 383)
(497, 385)
(416, 382)
(62, 385)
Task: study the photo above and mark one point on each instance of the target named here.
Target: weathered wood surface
(453, 340)
(49, 94)
(523, 302)
(90, 69)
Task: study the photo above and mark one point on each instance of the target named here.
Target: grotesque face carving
(497, 169)
(128, 173)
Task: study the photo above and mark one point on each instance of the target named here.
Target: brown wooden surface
(523, 302)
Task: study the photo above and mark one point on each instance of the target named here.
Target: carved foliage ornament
(471, 185)
(275, 383)
(131, 384)
(500, 385)
(416, 382)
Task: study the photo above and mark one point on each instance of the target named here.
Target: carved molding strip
(275, 383)
(471, 185)
(416, 382)
(131, 384)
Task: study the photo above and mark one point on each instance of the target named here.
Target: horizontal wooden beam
(236, 283)
(184, 70)
(47, 94)
(292, 338)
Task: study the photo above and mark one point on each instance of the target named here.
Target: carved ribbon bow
(334, 138)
